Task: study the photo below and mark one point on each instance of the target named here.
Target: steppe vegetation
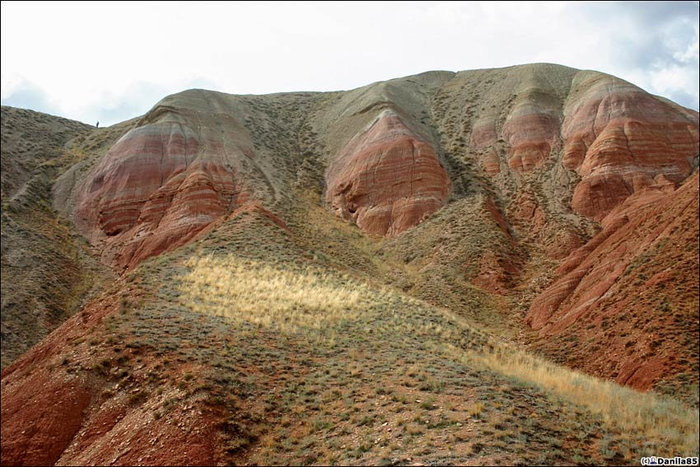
(284, 334)
(353, 371)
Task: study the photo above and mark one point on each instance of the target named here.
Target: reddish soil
(60, 404)
(625, 305)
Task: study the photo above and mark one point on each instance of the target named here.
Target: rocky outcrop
(531, 130)
(615, 136)
(386, 179)
(158, 186)
(619, 138)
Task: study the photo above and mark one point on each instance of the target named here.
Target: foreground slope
(240, 348)
(369, 257)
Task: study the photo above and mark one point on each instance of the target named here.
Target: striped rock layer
(153, 192)
(619, 139)
(615, 136)
(632, 289)
(386, 179)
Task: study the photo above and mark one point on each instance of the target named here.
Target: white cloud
(666, 80)
(112, 61)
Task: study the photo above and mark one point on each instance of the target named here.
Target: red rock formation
(483, 134)
(490, 162)
(531, 128)
(153, 192)
(618, 138)
(532, 132)
(386, 179)
(634, 273)
(623, 307)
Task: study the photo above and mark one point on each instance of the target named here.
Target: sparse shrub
(476, 409)
(428, 404)
(138, 397)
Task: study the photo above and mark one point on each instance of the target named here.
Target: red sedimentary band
(386, 179)
(157, 191)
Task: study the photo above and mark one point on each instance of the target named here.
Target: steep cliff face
(386, 179)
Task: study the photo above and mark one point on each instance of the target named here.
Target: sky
(108, 62)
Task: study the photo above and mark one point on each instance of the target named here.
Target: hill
(361, 277)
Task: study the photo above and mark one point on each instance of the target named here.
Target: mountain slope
(46, 267)
(215, 353)
(632, 292)
(368, 266)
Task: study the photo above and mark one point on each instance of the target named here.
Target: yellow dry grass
(270, 296)
(301, 299)
(659, 417)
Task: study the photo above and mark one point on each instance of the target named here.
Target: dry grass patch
(658, 417)
(290, 300)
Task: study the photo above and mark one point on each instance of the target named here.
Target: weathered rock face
(155, 189)
(615, 136)
(531, 131)
(629, 290)
(386, 179)
(545, 166)
(619, 138)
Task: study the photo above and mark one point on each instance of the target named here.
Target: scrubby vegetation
(386, 377)
(288, 336)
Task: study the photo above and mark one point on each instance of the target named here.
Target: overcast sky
(114, 61)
